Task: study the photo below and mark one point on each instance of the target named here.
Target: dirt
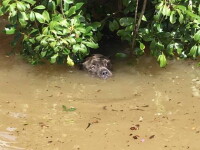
(52, 107)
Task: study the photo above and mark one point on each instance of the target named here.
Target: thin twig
(136, 9)
(137, 26)
(61, 8)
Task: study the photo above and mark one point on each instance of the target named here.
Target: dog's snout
(105, 72)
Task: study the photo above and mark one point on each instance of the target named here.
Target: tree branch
(137, 26)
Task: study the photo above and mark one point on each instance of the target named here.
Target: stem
(137, 26)
(61, 8)
(136, 9)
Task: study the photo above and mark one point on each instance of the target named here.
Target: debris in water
(50, 141)
(104, 107)
(136, 127)
(57, 86)
(136, 137)
(145, 106)
(68, 109)
(141, 119)
(99, 90)
(90, 123)
(142, 140)
(43, 125)
(133, 128)
(152, 136)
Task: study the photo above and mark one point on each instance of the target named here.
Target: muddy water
(141, 107)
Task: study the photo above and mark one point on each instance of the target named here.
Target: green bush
(53, 30)
(64, 31)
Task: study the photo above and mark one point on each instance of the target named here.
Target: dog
(98, 65)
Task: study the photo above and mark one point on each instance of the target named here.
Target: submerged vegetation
(65, 31)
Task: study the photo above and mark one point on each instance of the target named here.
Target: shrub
(64, 30)
(53, 30)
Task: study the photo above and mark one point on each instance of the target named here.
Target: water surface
(141, 107)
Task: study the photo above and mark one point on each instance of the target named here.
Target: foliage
(172, 28)
(65, 30)
(53, 30)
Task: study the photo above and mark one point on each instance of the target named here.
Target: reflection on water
(196, 87)
(141, 107)
(7, 140)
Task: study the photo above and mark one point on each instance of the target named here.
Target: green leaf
(39, 37)
(81, 29)
(21, 6)
(39, 7)
(144, 18)
(68, 109)
(44, 41)
(162, 60)
(79, 5)
(1, 11)
(32, 16)
(24, 15)
(166, 11)
(45, 30)
(121, 55)
(190, 5)
(178, 47)
(126, 21)
(181, 18)
(197, 36)
(113, 25)
(12, 7)
(66, 6)
(32, 2)
(79, 48)
(5, 2)
(91, 44)
(54, 58)
(191, 14)
(22, 18)
(173, 17)
(95, 26)
(193, 51)
(71, 40)
(70, 62)
(53, 44)
(43, 53)
(69, 1)
(142, 46)
(170, 48)
(58, 2)
(181, 7)
(51, 6)
(83, 49)
(46, 16)
(9, 30)
(198, 52)
(71, 11)
(39, 17)
(64, 108)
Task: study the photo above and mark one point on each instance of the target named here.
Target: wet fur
(97, 63)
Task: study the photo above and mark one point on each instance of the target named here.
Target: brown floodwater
(52, 107)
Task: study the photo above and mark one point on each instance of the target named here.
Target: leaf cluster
(64, 31)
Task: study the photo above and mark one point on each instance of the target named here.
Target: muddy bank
(141, 107)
